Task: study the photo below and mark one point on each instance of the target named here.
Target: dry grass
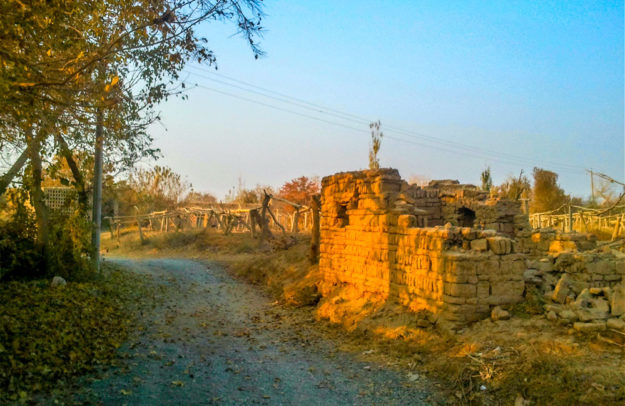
(524, 359)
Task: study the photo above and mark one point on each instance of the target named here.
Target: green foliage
(243, 195)
(159, 188)
(70, 247)
(19, 255)
(487, 180)
(515, 188)
(22, 258)
(49, 335)
(532, 305)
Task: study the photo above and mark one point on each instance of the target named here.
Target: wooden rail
(582, 219)
(259, 220)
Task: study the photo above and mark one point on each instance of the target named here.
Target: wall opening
(466, 217)
(342, 218)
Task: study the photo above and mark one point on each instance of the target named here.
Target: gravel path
(216, 340)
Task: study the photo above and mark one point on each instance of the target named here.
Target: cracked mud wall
(373, 240)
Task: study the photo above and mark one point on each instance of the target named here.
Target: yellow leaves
(39, 339)
(179, 384)
(26, 84)
(114, 81)
(49, 53)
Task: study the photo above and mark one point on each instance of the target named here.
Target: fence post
(140, 231)
(295, 225)
(570, 219)
(316, 236)
(617, 227)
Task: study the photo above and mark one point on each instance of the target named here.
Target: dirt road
(216, 340)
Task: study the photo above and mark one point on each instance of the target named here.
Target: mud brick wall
(430, 201)
(549, 241)
(371, 240)
(466, 205)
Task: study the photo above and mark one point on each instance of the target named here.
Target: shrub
(22, 258)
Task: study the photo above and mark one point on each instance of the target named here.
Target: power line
(359, 130)
(362, 120)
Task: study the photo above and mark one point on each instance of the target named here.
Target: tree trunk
(83, 199)
(6, 179)
(295, 224)
(265, 232)
(37, 197)
(97, 190)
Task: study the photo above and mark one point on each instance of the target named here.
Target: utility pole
(592, 185)
(97, 189)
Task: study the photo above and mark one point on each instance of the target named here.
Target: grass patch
(49, 335)
(534, 304)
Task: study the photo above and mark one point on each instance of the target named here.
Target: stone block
(479, 244)
(407, 220)
(616, 324)
(460, 289)
(483, 289)
(590, 327)
(617, 300)
(562, 289)
(509, 289)
(499, 314)
(562, 246)
(453, 299)
(500, 245)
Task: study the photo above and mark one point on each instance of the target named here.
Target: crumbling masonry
(448, 249)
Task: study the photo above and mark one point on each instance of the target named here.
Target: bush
(22, 258)
(19, 255)
(70, 247)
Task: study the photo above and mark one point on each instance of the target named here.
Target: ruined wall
(581, 283)
(371, 240)
(448, 201)
(383, 237)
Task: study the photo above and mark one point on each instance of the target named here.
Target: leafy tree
(195, 198)
(79, 73)
(487, 180)
(300, 190)
(376, 143)
(546, 193)
(246, 196)
(159, 188)
(514, 188)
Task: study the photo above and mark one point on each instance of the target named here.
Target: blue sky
(520, 83)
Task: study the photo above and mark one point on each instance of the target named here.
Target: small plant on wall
(376, 142)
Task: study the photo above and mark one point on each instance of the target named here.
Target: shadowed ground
(216, 340)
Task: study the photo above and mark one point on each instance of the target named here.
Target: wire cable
(359, 130)
(264, 92)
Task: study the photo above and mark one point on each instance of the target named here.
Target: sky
(457, 85)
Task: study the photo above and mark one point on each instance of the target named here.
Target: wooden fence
(258, 220)
(582, 219)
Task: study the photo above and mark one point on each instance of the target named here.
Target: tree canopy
(76, 71)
